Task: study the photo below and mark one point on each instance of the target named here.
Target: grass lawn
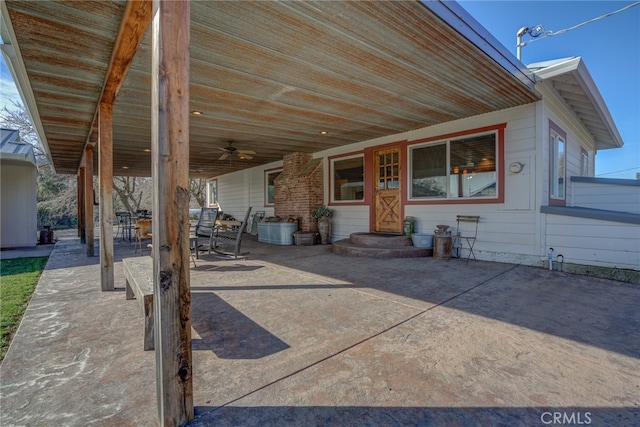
(18, 279)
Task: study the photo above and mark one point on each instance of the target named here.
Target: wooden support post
(105, 180)
(170, 166)
(81, 225)
(88, 200)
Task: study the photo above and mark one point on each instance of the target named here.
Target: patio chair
(466, 234)
(205, 226)
(123, 220)
(143, 231)
(234, 237)
(206, 222)
(257, 217)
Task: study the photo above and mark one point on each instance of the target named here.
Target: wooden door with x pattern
(387, 187)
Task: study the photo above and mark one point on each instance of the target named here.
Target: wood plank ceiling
(270, 76)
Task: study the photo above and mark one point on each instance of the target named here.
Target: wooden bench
(138, 274)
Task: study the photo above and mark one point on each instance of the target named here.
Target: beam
(88, 200)
(105, 184)
(134, 23)
(170, 171)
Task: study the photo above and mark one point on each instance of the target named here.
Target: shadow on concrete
(229, 333)
(233, 268)
(598, 312)
(411, 416)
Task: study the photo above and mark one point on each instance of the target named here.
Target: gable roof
(571, 80)
(12, 149)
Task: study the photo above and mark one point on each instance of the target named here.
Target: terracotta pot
(324, 228)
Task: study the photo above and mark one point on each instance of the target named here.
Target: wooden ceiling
(269, 76)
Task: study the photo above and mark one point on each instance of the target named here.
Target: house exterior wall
(512, 229)
(620, 195)
(239, 190)
(585, 241)
(578, 140)
(505, 233)
(18, 198)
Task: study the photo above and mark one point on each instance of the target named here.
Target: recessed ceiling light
(125, 167)
(324, 132)
(147, 150)
(196, 113)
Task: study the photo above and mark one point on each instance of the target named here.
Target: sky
(610, 48)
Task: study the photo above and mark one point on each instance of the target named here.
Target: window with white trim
(347, 179)
(270, 186)
(456, 168)
(584, 162)
(557, 162)
(213, 192)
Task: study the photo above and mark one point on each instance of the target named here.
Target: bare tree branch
(18, 119)
(197, 189)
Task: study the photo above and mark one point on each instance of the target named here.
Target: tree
(197, 189)
(131, 191)
(57, 199)
(18, 119)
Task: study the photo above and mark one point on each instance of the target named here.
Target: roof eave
(461, 21)
(576, 67)
(13, 59)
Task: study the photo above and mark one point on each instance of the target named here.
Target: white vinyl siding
(592, 242)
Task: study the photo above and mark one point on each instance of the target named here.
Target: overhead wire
(620, 171)
(582, 24)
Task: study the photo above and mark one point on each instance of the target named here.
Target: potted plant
(323, 214)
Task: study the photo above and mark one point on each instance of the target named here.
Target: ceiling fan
(242, 154)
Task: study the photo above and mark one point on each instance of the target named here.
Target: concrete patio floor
(295, 335)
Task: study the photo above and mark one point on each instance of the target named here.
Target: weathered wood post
(88, 200)
(81, 190)
(105, 175)
(170, 168)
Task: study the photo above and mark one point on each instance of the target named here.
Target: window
(270, 186)
(584, 163)
(456, 168)
(348, 179)
(429, 171)
(557, 159)
(213, 192)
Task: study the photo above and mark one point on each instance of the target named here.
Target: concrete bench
(138, 273)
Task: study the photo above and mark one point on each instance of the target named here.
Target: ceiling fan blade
(245, 156)
(247, 152)
(214, 150)
(224, 156)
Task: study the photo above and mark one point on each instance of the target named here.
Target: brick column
(299, 190)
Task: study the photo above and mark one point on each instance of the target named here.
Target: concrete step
(377, 245)
(380, 240)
